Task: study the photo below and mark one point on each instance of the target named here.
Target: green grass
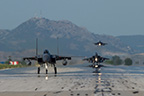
(5, 66)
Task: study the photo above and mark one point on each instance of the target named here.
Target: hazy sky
(110, 17)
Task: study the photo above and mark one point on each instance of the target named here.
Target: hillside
(135, 42)
(73, 40)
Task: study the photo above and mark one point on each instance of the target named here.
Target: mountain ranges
(72, 40)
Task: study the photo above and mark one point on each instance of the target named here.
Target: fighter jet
(100, 43)
(95, 60)
(47, 58)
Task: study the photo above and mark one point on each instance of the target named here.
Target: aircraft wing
(100, 43)
(62, 57)
(104, 44)
(87, 59)
(30, 58)
(96, 43)
(105, 58)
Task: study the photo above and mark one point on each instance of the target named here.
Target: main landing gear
(55, 69)
(46, 66)
(46, 71)
(38, 70)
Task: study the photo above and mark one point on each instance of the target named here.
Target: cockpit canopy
(46, 51)
(96, 54)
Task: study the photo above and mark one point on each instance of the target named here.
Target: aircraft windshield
(46, 51)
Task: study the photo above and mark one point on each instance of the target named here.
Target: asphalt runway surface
(73, 80)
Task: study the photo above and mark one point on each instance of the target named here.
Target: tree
(128, 61)
(8, 61)
(116, 60)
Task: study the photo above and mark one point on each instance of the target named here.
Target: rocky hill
(73, 40)
(134, 41)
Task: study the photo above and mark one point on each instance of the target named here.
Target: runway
(73, 80)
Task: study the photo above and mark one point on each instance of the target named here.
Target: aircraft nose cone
(46, 58)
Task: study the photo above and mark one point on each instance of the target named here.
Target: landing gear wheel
(55, 69)
(38, 70)
(46, 71)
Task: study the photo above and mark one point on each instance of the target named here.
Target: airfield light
(46, 77)
(96, 66)
(96, 59)
(99, 74)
